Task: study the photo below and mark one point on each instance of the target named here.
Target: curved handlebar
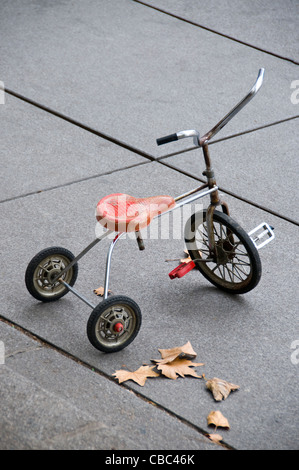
(236, 109)
(195, 134)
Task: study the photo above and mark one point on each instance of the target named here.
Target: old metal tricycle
(218, 247)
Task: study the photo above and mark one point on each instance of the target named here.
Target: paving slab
(267, 25)
(261, 166)
(137, 79)
(51, 402)
(246, 340)
(40, 151)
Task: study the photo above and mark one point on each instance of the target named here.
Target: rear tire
(114, 324)
(42, 270)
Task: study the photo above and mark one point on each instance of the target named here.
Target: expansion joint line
(80, 124)
(193, 23)
(149, 157)
(44, 343)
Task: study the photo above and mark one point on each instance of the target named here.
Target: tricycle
(221, 250)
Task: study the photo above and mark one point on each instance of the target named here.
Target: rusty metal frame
(210, 188)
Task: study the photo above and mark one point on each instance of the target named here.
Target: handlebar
(204, 139)
(179, 135)
(167, 139)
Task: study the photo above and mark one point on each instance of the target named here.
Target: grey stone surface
(269, 25)
(245, 339)
(261, 166)
(50, 402)
(40, 151)
(138, 78)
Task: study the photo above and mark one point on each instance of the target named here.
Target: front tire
(42, 270)
(236, 268)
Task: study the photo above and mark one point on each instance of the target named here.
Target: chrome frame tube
(108, 262)
(189, 200)
(189, 133)
(74, 291)
(236, 109)
(182, 196)
(83, 252)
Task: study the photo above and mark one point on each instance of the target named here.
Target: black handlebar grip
(166, 139)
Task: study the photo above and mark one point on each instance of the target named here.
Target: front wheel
(44, 268)
(236, 266)
(114, 323)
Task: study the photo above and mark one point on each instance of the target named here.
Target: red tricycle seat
(123, 213)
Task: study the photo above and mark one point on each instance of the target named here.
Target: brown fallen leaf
(100, 291)
(139, 376)
(217, 418)
(215, 437)
(184, 352)
(220, 388)
(178, 367)
(185, 260)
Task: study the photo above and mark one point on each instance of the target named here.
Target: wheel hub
(118, 327)
(115, 323)
(225, 251)
(52, 274)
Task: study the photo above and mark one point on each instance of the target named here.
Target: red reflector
(118, 327)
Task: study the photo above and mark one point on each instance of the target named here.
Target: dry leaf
(220, 388)
(168, 355)
(217, 418)
(215, 437)
(178, 367)
(185, 260)
(100, 291)
(139, 376)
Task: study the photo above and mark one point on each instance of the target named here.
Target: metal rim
(233, 266)
(115, 325)
(47, 270)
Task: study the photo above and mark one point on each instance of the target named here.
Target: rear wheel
(114, 324)
(236, 267)
(44, 268)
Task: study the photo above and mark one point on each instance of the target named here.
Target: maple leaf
(217, 418)
(168, 355)
(139, 376)
(178, 367)
(220, 388)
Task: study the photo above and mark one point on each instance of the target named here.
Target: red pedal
(181, 270)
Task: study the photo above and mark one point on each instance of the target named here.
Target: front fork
(214, 201)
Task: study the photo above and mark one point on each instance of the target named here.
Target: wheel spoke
(234, 266)
(235, 273)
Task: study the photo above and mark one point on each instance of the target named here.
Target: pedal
(262, 235)
(181, 270)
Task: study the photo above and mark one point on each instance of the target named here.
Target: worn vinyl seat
(123, 213)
